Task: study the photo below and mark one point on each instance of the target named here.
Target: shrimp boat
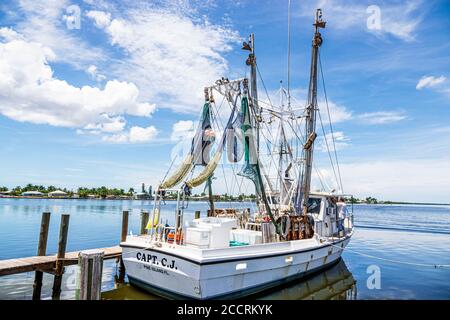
(291, 231)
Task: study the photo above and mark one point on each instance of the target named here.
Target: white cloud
(413, 180)
(138, 134)
(93, 72)
(170, 55)
(182, 129)
(29, 92)
(134, 135)
(381, 117)
(107, 125)
(101, 19)
(338, 113)
(340, 141)
(45, 22)
(397, 19)
(416, 180)
(430, 82)
(9, 34)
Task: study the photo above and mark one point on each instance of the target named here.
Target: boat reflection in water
(335, 283)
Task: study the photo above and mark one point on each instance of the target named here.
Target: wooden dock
(55, 264)
(48, 263)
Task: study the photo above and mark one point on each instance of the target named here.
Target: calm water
(413, 234)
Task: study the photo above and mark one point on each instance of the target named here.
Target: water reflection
(335, 283)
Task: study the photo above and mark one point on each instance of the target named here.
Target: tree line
(82, 192)
(103, 192)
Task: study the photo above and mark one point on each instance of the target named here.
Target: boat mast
(210, 99)
(311, 110)
(281, 146)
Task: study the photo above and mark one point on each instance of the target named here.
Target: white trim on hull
(231, 272)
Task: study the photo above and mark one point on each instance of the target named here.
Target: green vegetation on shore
(115, 193)
(81, 192)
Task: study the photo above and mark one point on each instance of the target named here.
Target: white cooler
(219, 229)
(198, 237)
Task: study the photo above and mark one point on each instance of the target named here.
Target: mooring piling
(144, 222)
(59, 268)
(55, 264)
(89, 282)
(123, 237)
(42, 248)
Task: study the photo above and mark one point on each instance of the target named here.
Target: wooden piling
(144, 222)
(42, 248)
(59, 269)
(197, 214)
(123, 237)
(89, 282)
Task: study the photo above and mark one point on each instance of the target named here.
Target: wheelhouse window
(314, 205)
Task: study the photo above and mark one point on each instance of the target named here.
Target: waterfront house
(6, 193)
(32, 194)
(57, 194)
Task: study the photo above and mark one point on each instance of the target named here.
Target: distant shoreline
(222, 200)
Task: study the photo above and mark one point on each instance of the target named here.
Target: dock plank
(43, 263)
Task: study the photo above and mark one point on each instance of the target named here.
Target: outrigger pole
(251, 61)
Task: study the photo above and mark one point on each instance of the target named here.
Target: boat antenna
(289, 58)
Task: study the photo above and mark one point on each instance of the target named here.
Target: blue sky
(105, 103)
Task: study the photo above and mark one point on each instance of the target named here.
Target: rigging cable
(264, 86)
(289, 56)
(221, 126)
(328, 149)
(329, 119)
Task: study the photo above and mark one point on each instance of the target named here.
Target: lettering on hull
(154, 260)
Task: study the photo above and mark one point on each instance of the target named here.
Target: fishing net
(202, 139)
(249, 170)
(179, 174)
(208, 171)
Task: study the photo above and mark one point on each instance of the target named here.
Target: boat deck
(206, 255)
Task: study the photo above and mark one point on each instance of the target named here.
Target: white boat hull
(225, 273)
